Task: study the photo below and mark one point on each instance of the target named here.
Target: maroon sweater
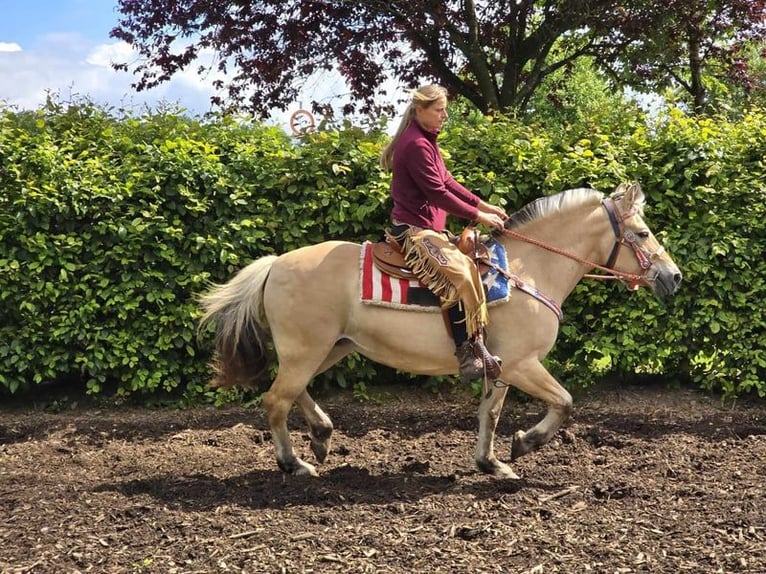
(424, 192)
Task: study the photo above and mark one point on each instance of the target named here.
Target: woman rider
(424, 193)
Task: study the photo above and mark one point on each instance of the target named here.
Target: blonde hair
(423, 97)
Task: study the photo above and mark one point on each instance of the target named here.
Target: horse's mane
(552, 204)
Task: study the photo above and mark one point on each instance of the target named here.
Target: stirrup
(493, 365)
(476, 362)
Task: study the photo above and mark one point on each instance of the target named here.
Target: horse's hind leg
(320, 426)
(287, 387)
(533, 379)
(489, 413)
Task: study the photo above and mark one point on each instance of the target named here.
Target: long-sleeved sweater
(424, 192)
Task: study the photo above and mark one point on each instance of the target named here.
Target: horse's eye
(643, 234)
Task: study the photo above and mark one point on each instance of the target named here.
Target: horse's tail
(241, 325)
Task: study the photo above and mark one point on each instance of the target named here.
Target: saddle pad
(379, 288)
(382, 289)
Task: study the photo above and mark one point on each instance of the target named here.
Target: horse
(307, 302)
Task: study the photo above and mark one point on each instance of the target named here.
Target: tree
(495, 53)
(748, 76)
(580, 95)
(687, 44)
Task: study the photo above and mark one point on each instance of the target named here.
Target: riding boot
(472, 355)
(471, 365)
(474, 359)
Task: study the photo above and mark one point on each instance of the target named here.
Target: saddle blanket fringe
(378, 288)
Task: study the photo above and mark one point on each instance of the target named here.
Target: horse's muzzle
(667, 282)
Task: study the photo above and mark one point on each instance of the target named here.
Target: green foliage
(580, 95)
(110, 226)
(745, 85)
(708, 176)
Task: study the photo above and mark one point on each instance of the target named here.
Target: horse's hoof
(320, 436)
(518, 448)
(497, 469)
(320, 449)
(305, 469)
(297, 467)
(505, 472)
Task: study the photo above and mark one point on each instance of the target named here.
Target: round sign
(302, 122)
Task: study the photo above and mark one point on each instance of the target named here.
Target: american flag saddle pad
(379, 288)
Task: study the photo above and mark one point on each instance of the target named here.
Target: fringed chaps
(450, 274)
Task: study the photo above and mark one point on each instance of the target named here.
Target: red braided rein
(631, 278)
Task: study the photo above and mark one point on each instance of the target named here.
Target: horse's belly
(410, 341)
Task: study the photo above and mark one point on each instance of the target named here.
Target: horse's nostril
(677, 278)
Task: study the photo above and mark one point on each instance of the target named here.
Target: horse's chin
(664, 287)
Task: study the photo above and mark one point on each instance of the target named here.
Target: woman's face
(432, 117)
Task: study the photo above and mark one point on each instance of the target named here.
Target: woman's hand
(491, 215)
(490, 219)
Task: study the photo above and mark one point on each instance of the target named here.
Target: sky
(62, 47)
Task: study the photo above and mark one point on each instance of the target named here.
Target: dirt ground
(643, 479)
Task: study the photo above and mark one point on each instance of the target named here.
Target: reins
(633, 280)
(614, 274)
(622, 237)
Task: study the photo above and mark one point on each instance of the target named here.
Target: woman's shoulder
(414, 139)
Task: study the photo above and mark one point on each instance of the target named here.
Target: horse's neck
(550, 270)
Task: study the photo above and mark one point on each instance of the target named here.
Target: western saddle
(388, 257)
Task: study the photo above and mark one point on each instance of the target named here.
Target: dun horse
(308, 302)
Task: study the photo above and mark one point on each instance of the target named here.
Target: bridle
(627, 237)
(622, 237)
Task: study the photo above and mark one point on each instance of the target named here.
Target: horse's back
(328, 257)
(317, 283)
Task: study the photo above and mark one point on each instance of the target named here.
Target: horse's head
(646, 258)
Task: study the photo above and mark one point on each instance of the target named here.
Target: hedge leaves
(110, 226)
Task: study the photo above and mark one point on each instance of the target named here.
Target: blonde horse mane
(554, 204)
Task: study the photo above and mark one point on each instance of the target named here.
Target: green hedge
(706, 185)
(110, 226)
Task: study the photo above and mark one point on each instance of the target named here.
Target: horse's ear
(634, 194)
(631, 193)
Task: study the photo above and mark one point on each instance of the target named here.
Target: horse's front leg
(489, 413)
(532, 378)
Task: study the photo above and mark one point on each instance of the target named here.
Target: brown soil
(640, 480)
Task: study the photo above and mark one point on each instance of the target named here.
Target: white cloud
(68, 66)
(106, 54)
(9, 47)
